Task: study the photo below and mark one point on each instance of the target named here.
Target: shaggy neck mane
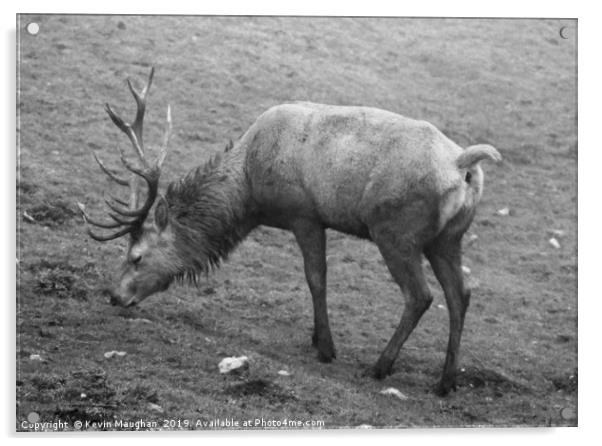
(207, 210)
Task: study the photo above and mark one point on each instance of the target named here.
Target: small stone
(465, 269)
(112, 353)
(503, 212)
(35, 357)
(83, 395)
(441, 306)
(155, 407)
(233, 364)
(28, 217)
(283, 373)
(393, 392)
(554, 243)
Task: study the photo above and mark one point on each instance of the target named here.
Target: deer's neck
(210, 212)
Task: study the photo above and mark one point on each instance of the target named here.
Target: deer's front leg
(311, 238)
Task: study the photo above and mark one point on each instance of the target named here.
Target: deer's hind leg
(445, 257)
(402, 255)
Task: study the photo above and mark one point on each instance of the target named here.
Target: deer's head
(151, 261)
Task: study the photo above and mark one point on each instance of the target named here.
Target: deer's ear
(161, 214)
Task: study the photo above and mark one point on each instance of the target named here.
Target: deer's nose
(114, 298)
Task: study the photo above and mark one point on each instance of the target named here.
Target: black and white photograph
(272, 222)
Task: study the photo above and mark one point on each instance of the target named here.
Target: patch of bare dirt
(51, 213)
(62, 280)
(272, 392)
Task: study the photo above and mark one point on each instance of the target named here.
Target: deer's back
(342, 165)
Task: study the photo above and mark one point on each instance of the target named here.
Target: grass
(510, 83)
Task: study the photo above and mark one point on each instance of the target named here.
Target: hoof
(326, 354)
(326, 358)
(325, 347)
(443, 388)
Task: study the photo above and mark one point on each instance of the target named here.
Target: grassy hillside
(510, 83)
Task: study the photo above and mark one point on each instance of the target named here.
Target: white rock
(83, 395)
(394, 392)
(35, 357)
(155, 407)
(503, 212)
(465, 269)
(28, 217)
(283, 373)
(233, 364)
(554, 243)
(114, 353)
(441, 307)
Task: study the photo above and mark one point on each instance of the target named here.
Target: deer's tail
(476, 153)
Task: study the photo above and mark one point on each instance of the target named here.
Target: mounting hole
(33, 28)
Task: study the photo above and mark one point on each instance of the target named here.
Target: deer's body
(307, 167)
(345, 167)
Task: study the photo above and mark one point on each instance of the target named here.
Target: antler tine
(89, 220)
(128, 130)
(119, 201)
(165, 147)
(132, 168)
(141, 105)
(127, 227)
(120, 220)
(105, 238)
(111, 175)
(152, 182)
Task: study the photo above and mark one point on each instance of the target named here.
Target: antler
(129, 217)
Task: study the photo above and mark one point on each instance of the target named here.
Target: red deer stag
(307, 167)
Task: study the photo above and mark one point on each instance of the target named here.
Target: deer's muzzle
(116, 299)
